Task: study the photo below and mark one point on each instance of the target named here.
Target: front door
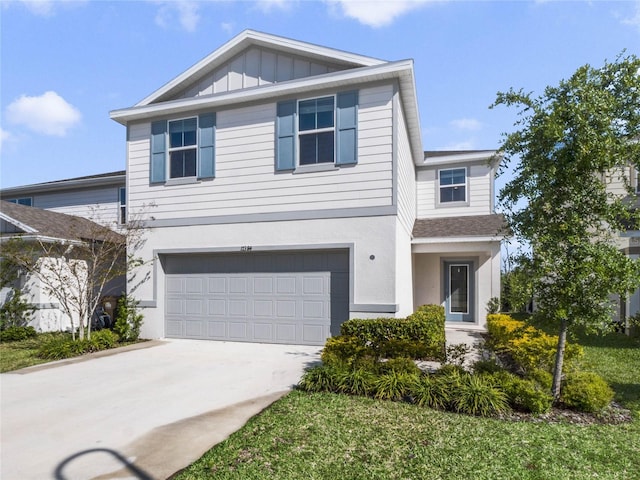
(459, 291)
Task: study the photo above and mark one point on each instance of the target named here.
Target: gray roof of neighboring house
(77, 182)
(45, 223)
(446, 153)
(492, 225)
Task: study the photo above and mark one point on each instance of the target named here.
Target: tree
(79, 270)
(570, 145)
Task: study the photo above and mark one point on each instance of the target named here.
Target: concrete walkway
(143, 413)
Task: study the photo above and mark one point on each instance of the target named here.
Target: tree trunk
(557, 371)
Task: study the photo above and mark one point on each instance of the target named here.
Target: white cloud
(466, 124)
(376, 13)
(227, 27)
(267, 6)
(45, 8)
(4, 138)
(49, 114)
(186, 12)
(634, 20)
(463, 145)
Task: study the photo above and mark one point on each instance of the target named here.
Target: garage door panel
(284, 297)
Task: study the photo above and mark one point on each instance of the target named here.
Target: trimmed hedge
(16, 333)
(419, 336)
(529, 347)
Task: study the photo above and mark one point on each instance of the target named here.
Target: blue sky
(66, 64)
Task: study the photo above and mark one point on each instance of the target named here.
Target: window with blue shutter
(314, 131)
(183, 148)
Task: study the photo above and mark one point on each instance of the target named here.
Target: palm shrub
(431, 391)
(394, 385)
(474, 395)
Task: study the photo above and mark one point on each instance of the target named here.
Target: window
(122, 200)
(183, 148)
(26, 201)
(453, 185)
(316, 131)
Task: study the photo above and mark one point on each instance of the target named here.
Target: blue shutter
(286, 136)
(347, 128)
(157, 169)
(206, 146)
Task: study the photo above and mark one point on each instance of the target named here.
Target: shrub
(343, 349)
(430, 391)
(527, 346)
(399, 365)
(128, 320)
(475, 395)
(57, 348)
(493, 305)
(355, 381)
(586, 392)
(420, 335)
(486, 366)
(523, 394)
(103, 339)
(457, 354)
(15, 333)
(394, 385)
(541, 377)
(325, 378)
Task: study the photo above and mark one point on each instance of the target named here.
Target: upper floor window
(316, 121)
(122, 201)
(183, 148)
(453, 185)
(27, 201)
(317, 131)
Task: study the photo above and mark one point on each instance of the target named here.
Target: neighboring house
(52, 228)
(101, 198)
(291, 192)
(629, 241)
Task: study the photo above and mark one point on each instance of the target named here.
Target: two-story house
(285, 189)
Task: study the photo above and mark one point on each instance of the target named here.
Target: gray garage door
(285, 297)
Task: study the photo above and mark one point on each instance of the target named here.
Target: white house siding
(245, 180)
(404, 271)
(372, 280)
(479, 193)
(406, 181)
(99, 204)
(254, 67)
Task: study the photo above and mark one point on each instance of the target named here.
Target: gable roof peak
(248, 38)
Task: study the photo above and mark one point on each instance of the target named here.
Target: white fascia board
(448, 240)
(41, 238)
(487, 155)
(64, 185)
(22, 226)
(248, 38)
(339, 79)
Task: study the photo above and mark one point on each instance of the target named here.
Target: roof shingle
(463, 226)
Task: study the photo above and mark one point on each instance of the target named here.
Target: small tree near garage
(573, 144)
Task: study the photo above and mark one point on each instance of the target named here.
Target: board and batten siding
(406, 182)
(478, 191)
(99, 204)
(255, 67)
(246, 182)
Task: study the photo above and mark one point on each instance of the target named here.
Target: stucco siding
(372, 280)
(246, 182)
(478, 191)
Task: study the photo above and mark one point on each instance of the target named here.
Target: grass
(22, 354)
(326, 436)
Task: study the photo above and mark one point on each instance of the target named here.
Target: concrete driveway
(142, 413)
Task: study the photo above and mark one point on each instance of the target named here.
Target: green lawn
(15, 355)
(329, 436)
